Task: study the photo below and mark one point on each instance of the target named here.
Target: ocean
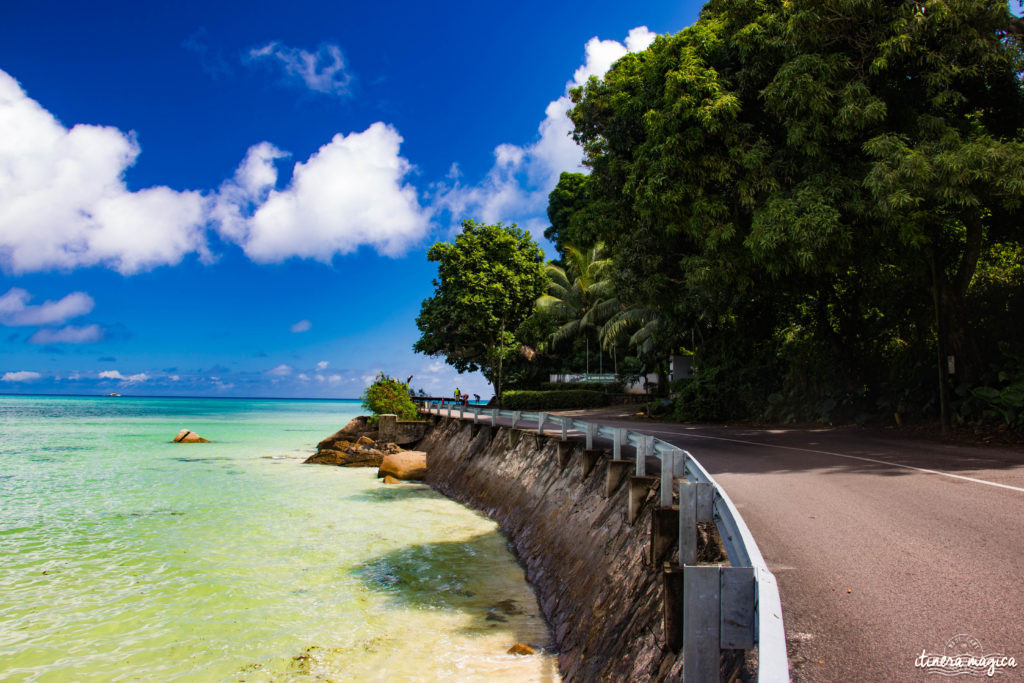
(126, 557)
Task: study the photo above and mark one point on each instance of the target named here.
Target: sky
(236, 199)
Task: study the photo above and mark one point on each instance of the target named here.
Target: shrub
(606, 387)
(552, 400)
(388, 395)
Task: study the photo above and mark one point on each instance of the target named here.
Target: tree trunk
(938, 288)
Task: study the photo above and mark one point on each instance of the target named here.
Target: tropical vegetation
(819, 201)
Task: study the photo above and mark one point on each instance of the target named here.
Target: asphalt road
(884, 548)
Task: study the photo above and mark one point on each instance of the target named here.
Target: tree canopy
(488, 282)
(810, 188)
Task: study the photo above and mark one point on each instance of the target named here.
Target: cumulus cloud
(71, 334)
(351, 192)
(20, 376)
(322, 365)
(16, 311)
(64, 203)
(517, 186)
(301, 326)
(303, 376)
(322, 71)
(282, 370)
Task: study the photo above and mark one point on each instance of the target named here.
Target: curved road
(884, 548)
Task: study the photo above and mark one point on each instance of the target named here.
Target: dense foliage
(821, 199)
(553, 400)
(488, 281)
(388, 395)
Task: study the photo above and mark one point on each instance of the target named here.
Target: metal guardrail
(728, 589)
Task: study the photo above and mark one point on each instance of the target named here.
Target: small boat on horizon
(113, 393)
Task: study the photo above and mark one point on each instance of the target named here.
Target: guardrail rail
(723, 608)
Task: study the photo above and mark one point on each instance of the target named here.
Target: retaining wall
(591, 568)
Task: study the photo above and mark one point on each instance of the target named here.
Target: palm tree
(581, 295)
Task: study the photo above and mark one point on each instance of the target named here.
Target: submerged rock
(521, 649)
(186, 436)
(407, 465)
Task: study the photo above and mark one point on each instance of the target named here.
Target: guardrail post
(591, 431)
(541, 418)
(701, 623)
(565, 428)
(645, 447)
(494, 416)
(668, 461)
(516, 414)
(476, 415)
(737, 599)
(461, 408)
(687, 523)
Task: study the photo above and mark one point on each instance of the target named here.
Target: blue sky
(235, 199)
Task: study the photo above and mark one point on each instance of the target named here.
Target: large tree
(814, 179)
(488, 281)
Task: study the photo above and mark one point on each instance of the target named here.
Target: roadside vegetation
(388, 395)
(820, 202)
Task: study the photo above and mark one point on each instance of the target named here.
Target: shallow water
(126, 557)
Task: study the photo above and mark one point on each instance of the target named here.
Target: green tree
(812, 183)
(488, 281)
(388, 395)
(580, 296)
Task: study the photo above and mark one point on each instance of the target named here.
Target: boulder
(186, 436)
(364, 441)
(357, 426)
(407, 465)
(388, 479)
(521, 649)
(352, 456)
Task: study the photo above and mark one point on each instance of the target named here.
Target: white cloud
(322, 365)
(282, 370)
(301, 326)
(71, 334)
(302, 376)
(20, 376)
(64, 203)
(322, 71)
(347, 194)
(173, 378)
(334, 379)
(517, 186)
(16, 311)
(130, 379)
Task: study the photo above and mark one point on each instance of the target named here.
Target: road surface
(885, 549)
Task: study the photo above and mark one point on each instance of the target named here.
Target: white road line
(844, 455)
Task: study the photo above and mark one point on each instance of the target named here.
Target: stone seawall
(590, 567)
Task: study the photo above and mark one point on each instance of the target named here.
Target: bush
(552, 400)
(388, 395)
(606, 387)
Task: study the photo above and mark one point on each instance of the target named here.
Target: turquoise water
(124, 556)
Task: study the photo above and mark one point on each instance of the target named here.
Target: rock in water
(521, 649)
(186, 436)
(407, 465)
(388, 479)
(347, 456)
